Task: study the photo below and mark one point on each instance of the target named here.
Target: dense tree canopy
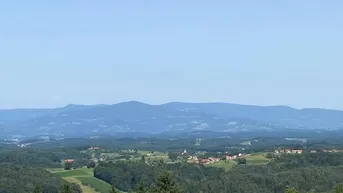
(305, 173)
(20, 179)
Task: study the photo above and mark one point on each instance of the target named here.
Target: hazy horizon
(195, 102)
(253, 52)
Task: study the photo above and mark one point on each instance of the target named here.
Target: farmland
(257, 159)
(227, 165)
(84, 178)
(252, 159)
(96, 184)
(134, 155)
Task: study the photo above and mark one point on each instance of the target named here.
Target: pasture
(257, 159)
(97, 184)
(84, 178)
(226, 165)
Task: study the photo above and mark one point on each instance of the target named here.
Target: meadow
(252, 159)
(84, 178)
(257, 159)
(227, 165)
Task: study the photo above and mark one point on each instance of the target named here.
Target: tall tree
(37, 190)
(143, 158)
(91, 164)
(68, 165)
(166, 184)
(291, 190)
(113, 188)
(66, 188)
(140, 188)
(338, 189)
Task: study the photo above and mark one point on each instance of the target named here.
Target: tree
(338, 189)
(113, 188)
(140, 188)
(37, 190)
(66, 188)
(143, 158)
(269, 155)
(291, 190)
(242, 161)
(166, 184)
(68, 165)
(172, 155)
(91, 164)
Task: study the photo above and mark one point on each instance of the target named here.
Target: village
(211, 160)
(300, 151)
(224, 160)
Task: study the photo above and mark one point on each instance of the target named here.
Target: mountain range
(133, 116)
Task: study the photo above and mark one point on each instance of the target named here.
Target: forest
(132, 170)
(307, 172)
(20, 179)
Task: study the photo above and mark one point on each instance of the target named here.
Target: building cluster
(93, 147)
(300, 151)
(68, 161)
(193, 160)
(332, 150)
(210, 160)
(204, 161)
(289, 151)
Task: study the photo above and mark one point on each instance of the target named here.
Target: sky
(267, 52)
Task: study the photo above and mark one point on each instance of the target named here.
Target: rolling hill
(139, 117)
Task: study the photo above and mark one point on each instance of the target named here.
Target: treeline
(308, 159)
(43, 158)
(336, 189)
(20, 179)
(206, 143)
(177, 144)
(23, 170)
(307, 172)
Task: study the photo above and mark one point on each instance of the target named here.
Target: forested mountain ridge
(308, 118)
(171, 117)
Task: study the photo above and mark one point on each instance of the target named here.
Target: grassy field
(84, 178)
(132, 155)
(72, 173)
(257, 159)
(221, 164)
(154, 156)
(96, 184)
(84, 188)
(252, 159)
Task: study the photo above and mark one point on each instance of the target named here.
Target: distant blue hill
(174, 117)
(309, 118)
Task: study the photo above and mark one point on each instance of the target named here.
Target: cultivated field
(227, 165)
(96, 184)
(257, 159)
(84, 178)
(252, 159)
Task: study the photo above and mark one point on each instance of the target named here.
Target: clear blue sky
(254, 52)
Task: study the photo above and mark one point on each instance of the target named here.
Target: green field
(252, 159)
(227, 165)
(257, 159)
(72, 173)
(96, 184)
(84, 178)
(154, 156)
